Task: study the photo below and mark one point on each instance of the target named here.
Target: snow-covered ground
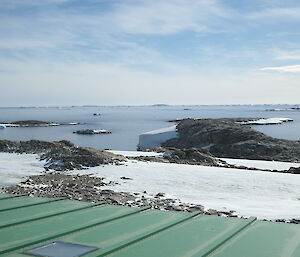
(14, 167)
(250, 193)
(269, 165)
(136, 153)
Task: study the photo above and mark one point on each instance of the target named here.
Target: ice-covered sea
(127, 122)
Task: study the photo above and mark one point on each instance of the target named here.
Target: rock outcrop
(227, 138)
(61, 155)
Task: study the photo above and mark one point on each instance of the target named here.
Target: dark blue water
(127, 123)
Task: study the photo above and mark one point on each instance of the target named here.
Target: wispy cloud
(274, 14)
(168, 17)
(287, 55)
(290, 68)
(183, 46)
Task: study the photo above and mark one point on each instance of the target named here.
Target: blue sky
(106, 52)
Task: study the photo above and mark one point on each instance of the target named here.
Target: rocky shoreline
(36, 123)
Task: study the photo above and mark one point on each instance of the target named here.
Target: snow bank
(14, 167)
(270, 165)
(136, 153)
(154, 138)
(250, 193)
(268, 121)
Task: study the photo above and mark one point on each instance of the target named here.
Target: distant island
(92, 131)
(35, 123)
(284, 109)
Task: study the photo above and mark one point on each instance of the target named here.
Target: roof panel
(12, 238)
(23, 201)
(30, 213)
(118, 231)
(196, 237)
(264, 239)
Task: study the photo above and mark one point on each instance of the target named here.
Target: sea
(127, 122)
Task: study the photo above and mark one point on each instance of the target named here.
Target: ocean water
(128, 122)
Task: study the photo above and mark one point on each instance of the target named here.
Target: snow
(154, 138)
(11, 125)
(100, 131)
(268, 121)
(14, 167)
(250, 193)
(259, 164)
(162, 130)
(136, 153)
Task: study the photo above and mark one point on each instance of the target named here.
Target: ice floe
(266, 121)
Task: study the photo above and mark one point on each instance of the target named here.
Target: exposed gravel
(88, 188)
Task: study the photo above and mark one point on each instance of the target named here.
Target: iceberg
(154, 138)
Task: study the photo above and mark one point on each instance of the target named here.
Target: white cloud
(287, 55)
(167, 17)
(274, 14)
(290, 68)
(44, 83)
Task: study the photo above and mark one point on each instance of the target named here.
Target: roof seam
(12, 196)
(223, 242)
(33, 204)
(50, 215)
(149, 235)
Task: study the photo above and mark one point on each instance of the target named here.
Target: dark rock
(227, 138)
(294, 170)
(62, 155)
(125, 178)
(160, 195)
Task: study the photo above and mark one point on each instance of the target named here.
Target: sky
(140, 52)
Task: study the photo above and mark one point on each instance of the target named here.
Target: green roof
(28, 222)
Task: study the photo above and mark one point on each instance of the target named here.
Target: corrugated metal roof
(28, 223)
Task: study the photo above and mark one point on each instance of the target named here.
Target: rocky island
(92, 131)
(230, 138)
(35, 123)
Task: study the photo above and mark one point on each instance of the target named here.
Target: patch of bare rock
(62, 155)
